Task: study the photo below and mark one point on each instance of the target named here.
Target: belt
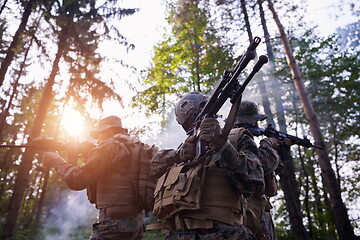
(114, 213)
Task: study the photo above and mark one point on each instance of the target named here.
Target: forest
(65, 65)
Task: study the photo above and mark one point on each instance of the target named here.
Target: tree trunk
(42, 195)
(5, 111)
(3, 6)
(318, 208)
(22, 178)
(280, 115)
(46, 171)
(343, 225)
(16, 41)
(336, 152)
(307, 190)
(287, 178)
(260, 81)
(290, 187)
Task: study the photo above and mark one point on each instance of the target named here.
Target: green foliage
(27, 234)
(153, 235)
(331, 75)
(72, 29)
(333, 78)
(191, 58)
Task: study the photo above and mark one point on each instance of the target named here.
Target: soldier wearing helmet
(258, 215)
(203, 198)
(112, 178)
(188, 108)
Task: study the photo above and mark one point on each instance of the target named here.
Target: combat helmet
(110, 122)
(188, 107)
(248, 113)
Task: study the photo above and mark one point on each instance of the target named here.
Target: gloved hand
(210, 132)
(188, 149)
(271, 142)
(51, 159)
(287, 142)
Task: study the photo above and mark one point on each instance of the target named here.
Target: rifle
(49, 145)
(270, 131)
(228, 88)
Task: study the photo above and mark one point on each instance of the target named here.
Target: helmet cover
(189, 106)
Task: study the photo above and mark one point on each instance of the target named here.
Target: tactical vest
(190, 197)
(125, 192)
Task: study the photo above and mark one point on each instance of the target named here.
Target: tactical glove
(210, 132)
(51, 159)
(270, 142)
(287, 142)
(187, 150)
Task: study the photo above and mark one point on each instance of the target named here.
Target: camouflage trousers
(125, 228)
(236, 232)
(267, 225)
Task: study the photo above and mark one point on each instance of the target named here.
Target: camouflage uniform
(237, 231)
(204, 198)
(245, 174)
(121, 228)
(106, 170)
(259, 205)
(271, 164)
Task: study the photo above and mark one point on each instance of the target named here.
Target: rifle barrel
(262, 60)
(14, 146)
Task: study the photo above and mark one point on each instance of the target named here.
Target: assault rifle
(269, 131)
(228, 88)
(49, 144)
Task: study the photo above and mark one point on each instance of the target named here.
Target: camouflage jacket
(101, 160)
(269, 157)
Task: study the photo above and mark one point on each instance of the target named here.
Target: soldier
(258, 218)
(115, 176)
(204, 198)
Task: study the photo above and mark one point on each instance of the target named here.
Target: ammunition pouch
(270, 185)
(256, 206)
(178, 189)
(197, 197)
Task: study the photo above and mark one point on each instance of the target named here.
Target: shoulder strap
(229, 122)
(235, 135)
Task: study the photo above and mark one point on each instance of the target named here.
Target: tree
(333, 83)
(192, 58)
(17, 40)
(288, 181)
(344, 227)
(77, 45)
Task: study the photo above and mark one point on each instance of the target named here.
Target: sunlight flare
(72, 122)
